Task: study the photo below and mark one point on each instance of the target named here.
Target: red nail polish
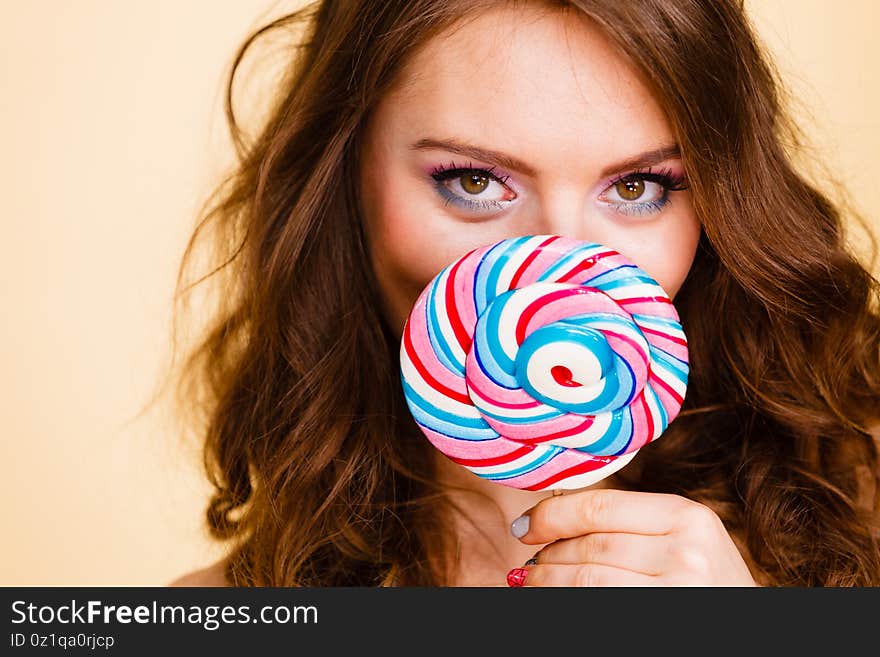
(517, 577)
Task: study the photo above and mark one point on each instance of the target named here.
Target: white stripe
(637, 290)
(535, 455)
(514, 262)
(675, 332)
(584, 367)
(413, 378)
(515, 413)
(656, 414)
(600, 425)
(515, 308)
(590, 478)
(663, 373)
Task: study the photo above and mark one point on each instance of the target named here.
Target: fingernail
(520, 526)
(517, 577)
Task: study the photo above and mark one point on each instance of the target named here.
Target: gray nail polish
(520, 526)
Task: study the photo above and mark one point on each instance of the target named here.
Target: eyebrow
(646, 159)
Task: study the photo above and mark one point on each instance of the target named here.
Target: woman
(408, 133)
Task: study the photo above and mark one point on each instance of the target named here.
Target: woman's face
(518, 123)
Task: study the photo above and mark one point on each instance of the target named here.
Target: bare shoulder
(212, 575)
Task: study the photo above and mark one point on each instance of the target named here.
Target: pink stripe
(640, 423)
(586, 269)
(630, 351)
(673, 348)
(471, 449)
(648, 306)
(668, 396)
(425, 350)
(605, 265)
(464, 290)
(663, 334)
(517, 276)
(570, 458)
(564, 424)
(576, 301)
(487, 389)
(545, 259)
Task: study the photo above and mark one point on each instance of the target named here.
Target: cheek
(406, 251)
(663, 247)
(668, 256)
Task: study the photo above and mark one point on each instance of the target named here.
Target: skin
(548, 89)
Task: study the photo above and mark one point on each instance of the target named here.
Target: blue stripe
(678, 368)
(481, 290)
(661, 321)
(431, 416)
(592, 319)
(502, 379)
(511, 247)
(441, 346)
(617, 435)
(529, 467)
(624, 282)
(486, 359)
(612, 275)
(664, 419)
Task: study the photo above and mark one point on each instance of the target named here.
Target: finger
(585, 574)
(599, 510)
(637, 552)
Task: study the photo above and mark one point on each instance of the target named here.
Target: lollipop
(543, 363)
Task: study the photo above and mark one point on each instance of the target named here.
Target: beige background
(111, 133)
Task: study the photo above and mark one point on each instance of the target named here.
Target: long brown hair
(320, 475)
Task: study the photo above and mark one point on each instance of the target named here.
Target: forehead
(544, 84)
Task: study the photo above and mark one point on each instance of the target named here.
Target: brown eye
(630, 190)
(474, 183)
(472, 188)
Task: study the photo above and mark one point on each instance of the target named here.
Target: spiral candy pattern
(542, 362)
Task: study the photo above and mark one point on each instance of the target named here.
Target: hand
(606, 537)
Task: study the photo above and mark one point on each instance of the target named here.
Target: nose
(563, 211)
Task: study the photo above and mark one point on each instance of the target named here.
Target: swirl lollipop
(542, 362)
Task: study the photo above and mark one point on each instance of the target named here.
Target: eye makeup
(663, 181)
(442, 175)
(666, 180)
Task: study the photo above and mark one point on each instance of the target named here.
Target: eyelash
(665, 178)
(441, 174)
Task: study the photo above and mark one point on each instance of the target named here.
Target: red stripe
(482, 395)
(586, 424)
(644, 300)
(581, 468)
(534, 307)
(683, 343)
(452, 311)
(425, 374)
(648, 415)
(584, 265)
(632, 343)
(655, 379)
(525, 265)
(495, 460)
